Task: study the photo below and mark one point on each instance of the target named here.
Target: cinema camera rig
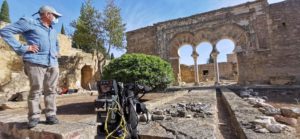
(117, 107)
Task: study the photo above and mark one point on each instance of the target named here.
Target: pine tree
(112, 56)
(62, 31)
(210, 60)
(92, 31)
(88, 29)
(4, 14)
(113, 27)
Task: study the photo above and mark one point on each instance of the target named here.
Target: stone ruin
(275, 119)
(182, 110)
(266, 38)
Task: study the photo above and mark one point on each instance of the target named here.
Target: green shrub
(140, 68)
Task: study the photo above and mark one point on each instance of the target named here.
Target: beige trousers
(43, 80)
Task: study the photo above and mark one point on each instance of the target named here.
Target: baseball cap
(49, 9)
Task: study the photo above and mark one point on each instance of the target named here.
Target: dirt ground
(75, 107)
(80, 107)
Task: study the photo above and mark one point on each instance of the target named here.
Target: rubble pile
(277, 120)
(179, 110)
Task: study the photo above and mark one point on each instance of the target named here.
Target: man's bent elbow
(3, 33)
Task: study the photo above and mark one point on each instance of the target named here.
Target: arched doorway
(206, 69)
(232, 31)
(86, 76)
(186, 64)
(227, 61)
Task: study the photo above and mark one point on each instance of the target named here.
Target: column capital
(214, 52)
(195, 54)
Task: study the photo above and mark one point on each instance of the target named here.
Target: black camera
(106, 90)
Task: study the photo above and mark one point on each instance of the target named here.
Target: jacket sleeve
(8, 32)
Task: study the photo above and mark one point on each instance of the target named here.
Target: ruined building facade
(266, 37)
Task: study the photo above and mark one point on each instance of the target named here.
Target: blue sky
(136, 14)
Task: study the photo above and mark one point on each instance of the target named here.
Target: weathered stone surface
(264, 121)
(276, 128)
(270, 111)
(157, 117)
(9, 61)
(18, 83)
(20, 96)
(254, 101)
(227, 71)
(13, 122)
(245, 94)
(14, 105)
(282, 80)
(262, 130)
(290, 112)
(184, 127)
(152, 104)
(158, 112)
(245, 114)
(2, 98)
(78, 71)
(264, 105)
(266, 38)
(183, 109)
(188, 116)
(289, 121)
(181, 112)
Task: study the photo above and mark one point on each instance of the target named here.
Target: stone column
(196, 73)
(214, 55)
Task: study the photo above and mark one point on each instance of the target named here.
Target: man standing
(40, 60)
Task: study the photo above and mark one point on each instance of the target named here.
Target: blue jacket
(36, 33)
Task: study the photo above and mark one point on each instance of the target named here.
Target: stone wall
(73, 65)
(284, 57)
(187, 73)
(266, 38)
(143, 41)
(228, 71)
(232, 58)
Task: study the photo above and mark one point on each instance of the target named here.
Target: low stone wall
(227, 71)
(243, 113)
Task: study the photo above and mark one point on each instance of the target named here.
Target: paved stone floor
(78, 118)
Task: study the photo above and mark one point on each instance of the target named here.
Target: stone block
(282, 80)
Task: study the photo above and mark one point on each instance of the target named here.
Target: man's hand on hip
(33, 48)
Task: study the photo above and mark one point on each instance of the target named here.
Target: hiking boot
(51, 120)
(33, 122)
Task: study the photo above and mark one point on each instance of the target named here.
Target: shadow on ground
(82, 108)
